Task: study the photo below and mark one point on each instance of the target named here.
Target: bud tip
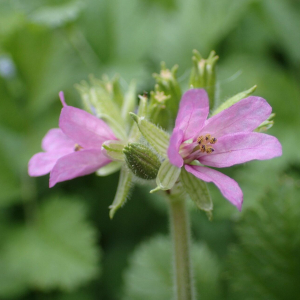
(134, 117)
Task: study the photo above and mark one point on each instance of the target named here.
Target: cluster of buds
(165, 98)
(203, 74)
(110, 137)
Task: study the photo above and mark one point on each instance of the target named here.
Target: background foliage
(50, 241)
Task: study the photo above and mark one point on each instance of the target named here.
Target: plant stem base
(181, 250)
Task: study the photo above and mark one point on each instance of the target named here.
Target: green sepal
(197, 190)
(110, 86)
(156, 137)
(122, 191)
(129, 102)
(265, 125)
(114, 149)
(117, 93)
(111, 168)
(108, 111)
(135, 133)
(167, 176)
(99, 99)
(203, 74)
(229, 102)
(141, 160)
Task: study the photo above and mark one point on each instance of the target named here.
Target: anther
(209, 150)
(207, 137)
(200, 139)
(213, 140)
(202, 148)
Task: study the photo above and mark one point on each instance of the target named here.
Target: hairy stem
(180, 230)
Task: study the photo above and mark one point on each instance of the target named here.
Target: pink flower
(74, 149)
(222, 141)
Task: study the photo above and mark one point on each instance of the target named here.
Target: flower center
(205, 142)
(77, 147)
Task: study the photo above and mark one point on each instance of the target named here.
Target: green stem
(181, 250)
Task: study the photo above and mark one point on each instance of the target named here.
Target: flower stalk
(180, 231)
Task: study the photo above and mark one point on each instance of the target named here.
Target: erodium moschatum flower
(74, 149)
(224, 140)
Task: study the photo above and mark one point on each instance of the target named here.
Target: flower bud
(203, 74)
(166, 97)
(265, 125)
(158, 113)
(142, 161)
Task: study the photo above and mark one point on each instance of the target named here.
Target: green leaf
(122, 191)
(229, 102)
(58, 15)
(12, 285)
(167, 176)
(197, 190)
(10, 19)
(10, 189)
(78, 295)
(58, 251)
(265, 263)
(12, 164)
(283, 32)
(149, 275)
(156, 137)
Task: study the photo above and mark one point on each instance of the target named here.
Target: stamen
(207, 137)
(77, 147)
(209, 150)
(213, 140)
(205, 141)
(200, 139)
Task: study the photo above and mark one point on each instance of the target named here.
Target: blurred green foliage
(265, 263)
(50, 243)
(150, 277)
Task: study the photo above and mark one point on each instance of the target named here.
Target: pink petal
(242, 147)
(77, 164)
(62, 98)
(43, 162)
(173, 150)
(55, 139)
(244, 116)
(193, 111)
(85, 129)
(228, 187)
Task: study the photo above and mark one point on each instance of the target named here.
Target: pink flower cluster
(74, 149)
(222, 141)
(226, 139)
